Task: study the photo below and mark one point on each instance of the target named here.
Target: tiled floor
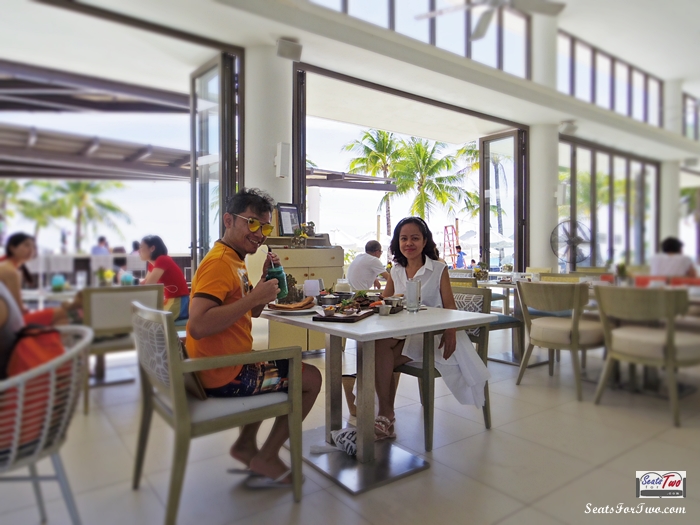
(546, 457)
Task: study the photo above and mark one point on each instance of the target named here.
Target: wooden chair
(560, 278)
(537, 269)
(36, 409)
(470, 300)
(465, 282)
(661, 347)
(558, 333)
(163, 369)
(107, 310)
(641, 269)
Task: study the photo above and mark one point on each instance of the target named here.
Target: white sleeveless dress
(464, 372)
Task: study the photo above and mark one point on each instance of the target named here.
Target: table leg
(428, 380)
(334, 373)
(506, 303)
(365, 401)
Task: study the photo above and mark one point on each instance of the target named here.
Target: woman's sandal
(383, 428)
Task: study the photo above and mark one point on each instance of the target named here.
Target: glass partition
(583, 65)
(406, 23)
(372, 11)
(616, 197)
(451, 29)
(515, 29)
(584, 198)
(603, 80)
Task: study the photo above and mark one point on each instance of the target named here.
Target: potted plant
(481, 272)
(104, 277)
(507, 267)
(300, 236)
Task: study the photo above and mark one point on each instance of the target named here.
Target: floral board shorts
(254, 379)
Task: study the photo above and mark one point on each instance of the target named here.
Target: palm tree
(472, 205)
(43, 208)
(9, 192)
(378, 152)
(84, 202)
(426, 172)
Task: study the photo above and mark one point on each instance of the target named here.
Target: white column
(673, 106)
(544, 50)
(544, 177)
(268, 118)
(669, 211)
(313, 206)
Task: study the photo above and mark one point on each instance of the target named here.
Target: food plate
(305, 311)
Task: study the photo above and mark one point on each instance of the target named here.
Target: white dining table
(376, 463)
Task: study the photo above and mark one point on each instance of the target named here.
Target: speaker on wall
(289, 49)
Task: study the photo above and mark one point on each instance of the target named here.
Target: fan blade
(447, 10)
(482, 25)
(565, 255)
(541, 7)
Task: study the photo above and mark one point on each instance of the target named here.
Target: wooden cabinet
(303, 263)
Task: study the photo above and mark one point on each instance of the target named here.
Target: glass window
(336, 5)
(621, 88)
(638, 95)
(654, 102)
(406, 23)
(619, 210)
(514, 43)
(690, 117)
(564, 64)
(650, 211)
(451, 29)
(373, 11)
(583, 205)
(603, 225)
(485, 50)
(583, 74)
(636, 209)
(603, 76)
(564, 206)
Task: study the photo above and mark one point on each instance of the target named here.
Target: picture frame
(288, 218)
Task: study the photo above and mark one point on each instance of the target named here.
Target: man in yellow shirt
(221, 308)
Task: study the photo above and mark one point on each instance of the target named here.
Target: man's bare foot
(244, 452)
(272, 468)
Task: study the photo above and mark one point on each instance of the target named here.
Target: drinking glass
(412, 302)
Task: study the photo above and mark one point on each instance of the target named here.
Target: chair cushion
(642, 341)
(688, 323)
(216, 407)
(122, 342)
(181, 322)
(541, 313)
(556, 330)
(505, 319)
(497, 297)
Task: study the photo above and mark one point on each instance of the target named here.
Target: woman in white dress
(415, 257)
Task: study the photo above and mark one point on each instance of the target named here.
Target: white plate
(306, 311)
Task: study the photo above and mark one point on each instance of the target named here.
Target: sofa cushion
(557, 330)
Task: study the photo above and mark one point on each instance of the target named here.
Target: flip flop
(383, 428)
(263, 482)
(243, 471)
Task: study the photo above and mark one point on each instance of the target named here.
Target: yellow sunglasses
(255, 225)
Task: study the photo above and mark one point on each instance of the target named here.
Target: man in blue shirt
(460, 258)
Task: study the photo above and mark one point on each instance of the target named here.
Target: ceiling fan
(542, 7)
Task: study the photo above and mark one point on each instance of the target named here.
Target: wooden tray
(341, 319)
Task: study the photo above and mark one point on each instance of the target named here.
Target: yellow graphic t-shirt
(222, 278)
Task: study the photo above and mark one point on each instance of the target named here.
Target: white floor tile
(519, 468)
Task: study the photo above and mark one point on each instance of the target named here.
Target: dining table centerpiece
(481, 272)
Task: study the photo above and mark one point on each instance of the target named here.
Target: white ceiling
(345, 102)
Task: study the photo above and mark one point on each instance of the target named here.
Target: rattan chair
(470, 300)
(537, 269)
(658, 346)
(558, 333)
(107, 310)
(36, 409)
(162, 370)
